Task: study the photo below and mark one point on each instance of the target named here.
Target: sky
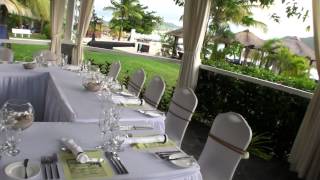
(287, 26)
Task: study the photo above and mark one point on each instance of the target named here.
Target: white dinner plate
(183, 162)
(16, 170)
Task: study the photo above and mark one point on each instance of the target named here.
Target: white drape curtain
(84, 21)
(195, 19)
(57, 9)
(305, 153)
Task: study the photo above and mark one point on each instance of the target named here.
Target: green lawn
(168, 70)
(24, 52)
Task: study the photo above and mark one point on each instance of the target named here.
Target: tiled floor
(251, 169)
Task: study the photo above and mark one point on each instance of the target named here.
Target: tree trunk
(246, 54)
(262, 56)
(41, 26)
(20, 22)
(174, 48)
(120, 34)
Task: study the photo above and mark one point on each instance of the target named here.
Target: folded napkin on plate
(126, 94)
(127, 101)
(151, 113)
(134, 127)
(71, 68)
(148, 139)
(76, 150)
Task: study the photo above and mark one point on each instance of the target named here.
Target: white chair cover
(218, 161)
(48, 55)
(136, 82)
(114, 70)
(154, 91)
(6, 54)
(182, 106)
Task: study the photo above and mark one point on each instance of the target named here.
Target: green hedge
(302, 83)
(275, 114)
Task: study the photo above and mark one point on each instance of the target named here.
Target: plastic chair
(154, 91)
(136, 82)
(6, 55)
(228, 140)
(114, 70)
(181, 109)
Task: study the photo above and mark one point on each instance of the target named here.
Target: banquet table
(58, 96)
(42, 138)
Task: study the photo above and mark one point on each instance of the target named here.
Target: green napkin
(145, 146)
(73, 170)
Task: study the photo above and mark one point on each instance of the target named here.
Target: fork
(54, 161)
(49, 162)
(43, 163)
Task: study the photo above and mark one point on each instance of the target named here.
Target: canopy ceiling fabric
(84, 21)
(195, 19)
(57, 14)
(247, 39)
(298, 47)
(305, 153)
(14, 7)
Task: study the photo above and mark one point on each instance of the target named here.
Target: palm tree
(225, 12)
(122, 10)
(268, 52)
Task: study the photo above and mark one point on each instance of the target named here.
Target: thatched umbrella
(14, 7)
(177, 33)
(249, 41)
(298, 47)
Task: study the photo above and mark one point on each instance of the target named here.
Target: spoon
(25, 164)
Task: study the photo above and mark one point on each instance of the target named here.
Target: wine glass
(13, 137)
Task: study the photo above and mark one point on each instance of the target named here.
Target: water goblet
(13, 137)
(117, 139)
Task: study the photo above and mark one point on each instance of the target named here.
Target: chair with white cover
(136, 82)
(227, 142)
(154, 91)
(181, 109)
(114, 70)
(6, 55)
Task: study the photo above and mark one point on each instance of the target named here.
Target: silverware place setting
(114, 159)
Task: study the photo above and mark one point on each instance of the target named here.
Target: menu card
(73, 170)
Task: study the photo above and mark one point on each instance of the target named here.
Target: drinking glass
(13, 137)
(117, 139)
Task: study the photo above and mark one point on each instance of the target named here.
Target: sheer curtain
(84, 21)
(305, 153)
(57, 14)
(195, 19)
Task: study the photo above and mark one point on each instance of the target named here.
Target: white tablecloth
(58, 96)
(42, 138)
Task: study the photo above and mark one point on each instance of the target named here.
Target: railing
(89, 48)
(261, 82)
